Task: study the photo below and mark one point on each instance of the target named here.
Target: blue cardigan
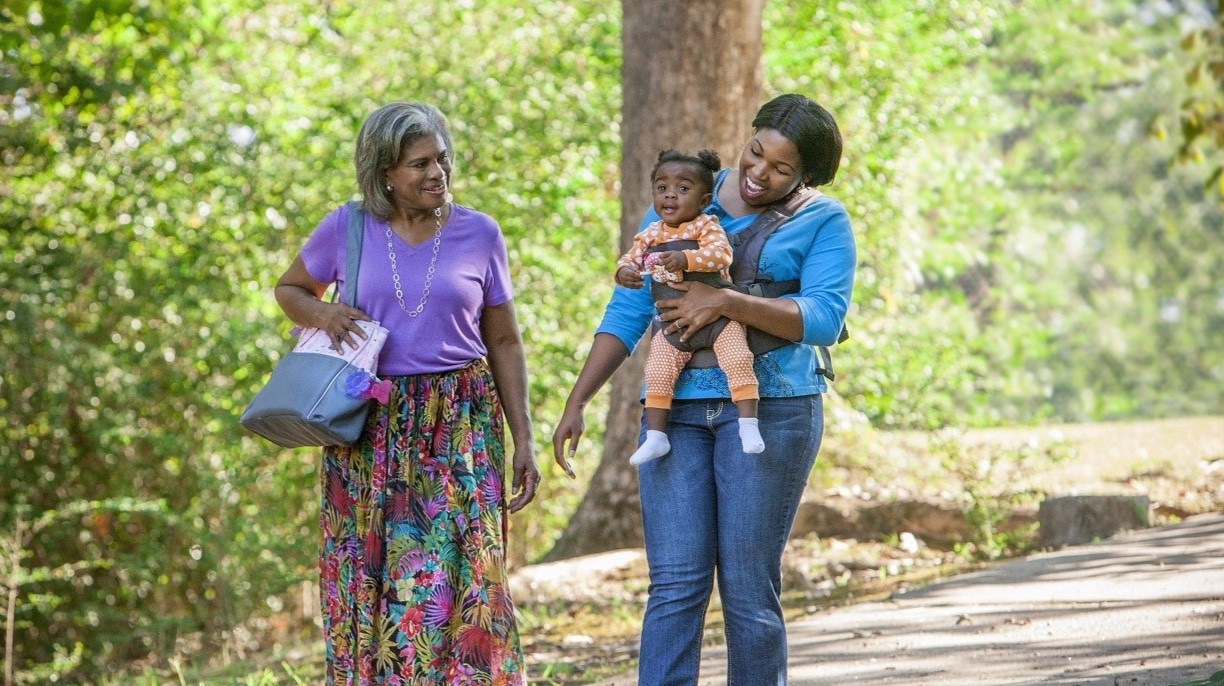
(817, 247)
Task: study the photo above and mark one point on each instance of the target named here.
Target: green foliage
(17, 576)
(1201, 117)
(991, 482)
(1119, 249)
(162, 166)
(1025, 252)
(901, 81)
(105, 393)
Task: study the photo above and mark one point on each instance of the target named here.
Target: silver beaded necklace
(429, 274)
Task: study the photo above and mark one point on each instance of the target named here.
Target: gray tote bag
(309, 399)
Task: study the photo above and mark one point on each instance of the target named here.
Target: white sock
(656, 445)
(750, 435)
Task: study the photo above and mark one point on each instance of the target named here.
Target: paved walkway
(1141, 609)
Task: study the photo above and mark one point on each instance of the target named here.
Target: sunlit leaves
(1202, 110)
(996, 173)
(163, 163)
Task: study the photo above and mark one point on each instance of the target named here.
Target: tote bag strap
(352, 265)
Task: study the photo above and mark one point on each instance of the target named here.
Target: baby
(682, 186)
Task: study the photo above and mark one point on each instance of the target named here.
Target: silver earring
(389, 188)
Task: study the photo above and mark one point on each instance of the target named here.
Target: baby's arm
(637, 253)
(671, 260)
(713, 253)
(630, 266)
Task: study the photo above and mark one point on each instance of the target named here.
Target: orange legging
(664, 363)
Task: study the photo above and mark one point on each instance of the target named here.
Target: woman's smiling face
(769, 168)
(421, 177)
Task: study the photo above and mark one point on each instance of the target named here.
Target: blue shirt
(816, 247)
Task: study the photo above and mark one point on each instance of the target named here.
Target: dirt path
(1177, 463)
(1142, 609)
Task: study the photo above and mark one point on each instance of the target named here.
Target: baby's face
(678, 195)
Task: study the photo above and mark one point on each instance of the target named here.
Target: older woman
(413, 576)
(708, 508)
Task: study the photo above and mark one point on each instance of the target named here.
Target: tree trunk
(691, 79)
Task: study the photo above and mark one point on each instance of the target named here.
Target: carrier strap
(746, 247)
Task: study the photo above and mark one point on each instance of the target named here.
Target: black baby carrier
(746, 246)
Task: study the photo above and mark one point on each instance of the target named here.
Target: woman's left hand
(700, 305)
(526, 478)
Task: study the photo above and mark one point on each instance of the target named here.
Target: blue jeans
(707, 506)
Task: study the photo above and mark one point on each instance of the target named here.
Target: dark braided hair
(705, 163)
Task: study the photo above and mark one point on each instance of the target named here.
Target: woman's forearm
(298, 295)
(606, 355)
(509, 369)
(507, 362)
(778, 316)
(299, 305)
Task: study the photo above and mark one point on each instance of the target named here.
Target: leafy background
(1038, 217)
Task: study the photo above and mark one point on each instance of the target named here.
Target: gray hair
(381, 142)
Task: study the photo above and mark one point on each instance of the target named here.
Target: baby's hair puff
(705, 163)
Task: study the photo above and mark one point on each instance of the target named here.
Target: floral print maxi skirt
(413, 575)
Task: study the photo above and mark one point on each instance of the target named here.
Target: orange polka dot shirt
(712, 254)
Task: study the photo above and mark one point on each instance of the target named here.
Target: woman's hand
(628, 277)
(340, 323)
(607, 353)
(526, 477)
(700, 305)
(569, 430)
(508, 363)
(298, 294)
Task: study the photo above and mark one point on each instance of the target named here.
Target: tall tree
(691, 79)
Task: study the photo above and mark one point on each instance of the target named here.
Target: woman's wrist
(526, 443)
(727, 305)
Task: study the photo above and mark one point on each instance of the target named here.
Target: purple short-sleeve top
(470, 274)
